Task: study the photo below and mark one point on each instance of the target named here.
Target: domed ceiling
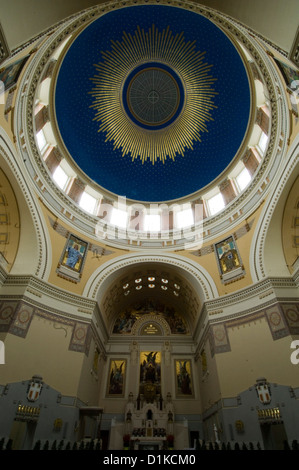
(152, 102)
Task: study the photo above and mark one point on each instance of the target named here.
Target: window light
(184, 218)
(152, 223)
(41, 140)
(88, 202)
(243, 179)
(119, 218)
(262, 144)
(60, 177)
(216, 203)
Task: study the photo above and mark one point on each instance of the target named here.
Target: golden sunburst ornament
(153, 94)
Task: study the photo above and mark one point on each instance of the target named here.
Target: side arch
(34, 250)
(267, 254)
(197, 274)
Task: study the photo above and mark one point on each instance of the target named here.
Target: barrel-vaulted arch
(110, 282)
(33, 256)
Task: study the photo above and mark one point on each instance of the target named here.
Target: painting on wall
(227, 255)
(126, 319)
(74, 253)
(150, 366)
(290, 75)
(116, 378)
(9, 75)
(183, 377)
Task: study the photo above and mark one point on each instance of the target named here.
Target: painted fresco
(184, 385)
(116, 378)
(125, 321)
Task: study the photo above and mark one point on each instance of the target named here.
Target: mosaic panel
(276, 322)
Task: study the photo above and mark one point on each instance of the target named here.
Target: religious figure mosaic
(227, 255)
(126, 319)
(116, 378)
(72, 259)
(184, 385)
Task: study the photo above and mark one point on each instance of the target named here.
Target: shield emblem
(263, 392)
(34, 391)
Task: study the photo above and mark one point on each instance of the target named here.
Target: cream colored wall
(89, 380)
(209, 384)
(209, 261)
(274, 19)
(255, 354)
(44, 351)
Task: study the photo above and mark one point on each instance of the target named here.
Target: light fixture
(125, 286)
(151, 286)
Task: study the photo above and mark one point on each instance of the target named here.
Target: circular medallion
(153, 96)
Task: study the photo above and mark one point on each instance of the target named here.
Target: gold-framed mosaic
(183, 378)
(116, 378)
(72, 259)
(229, 260)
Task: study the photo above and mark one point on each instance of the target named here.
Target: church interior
(149, 224)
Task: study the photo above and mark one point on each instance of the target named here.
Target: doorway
(274, 436)
(22, 435)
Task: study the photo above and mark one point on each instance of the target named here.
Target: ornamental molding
(41, 288)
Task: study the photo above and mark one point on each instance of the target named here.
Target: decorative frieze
(16, 317)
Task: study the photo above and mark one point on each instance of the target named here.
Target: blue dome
(152, 102)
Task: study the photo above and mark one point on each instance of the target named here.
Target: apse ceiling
(152, 102)
(151, 288)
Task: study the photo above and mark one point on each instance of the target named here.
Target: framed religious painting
(72, 259)
(229, 260)
(291, 77)
(116, 378)
(183, 378)
(9, 75)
